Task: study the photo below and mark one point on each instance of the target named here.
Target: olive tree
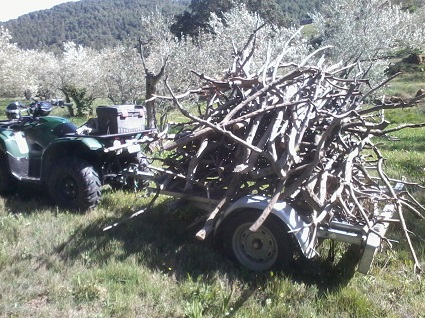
(80, 77)
(271, 40)
(368, 31)
(122, 69)
(16, 67)
(209, 52)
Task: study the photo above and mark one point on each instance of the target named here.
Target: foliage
(211, 52)
(122, 75)
(80, 76)
(18, 67)
(83, 103)
(108, 23)
(117, 73)
(91, 23)
(196, 21)
(369, 31)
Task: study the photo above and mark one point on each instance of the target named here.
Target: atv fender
(87, 148)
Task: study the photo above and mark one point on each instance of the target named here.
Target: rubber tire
(74, 184)
(141, 161)
(277, 254)
(7, 181)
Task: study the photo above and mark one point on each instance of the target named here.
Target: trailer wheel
(131, 184)
(74, 184)
(128, 183)
(7, 181)
(270, 247)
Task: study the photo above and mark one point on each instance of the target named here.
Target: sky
(16, 8)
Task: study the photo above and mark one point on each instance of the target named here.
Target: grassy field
(54, 263)
(58, 264)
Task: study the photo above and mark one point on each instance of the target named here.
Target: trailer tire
(129, 183)
(140, 160)
(74, 184)
(269, 248)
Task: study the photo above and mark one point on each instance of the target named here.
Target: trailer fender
(300, 230)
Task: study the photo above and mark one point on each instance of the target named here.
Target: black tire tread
(84, 174)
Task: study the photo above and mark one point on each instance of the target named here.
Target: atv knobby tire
(74, 184)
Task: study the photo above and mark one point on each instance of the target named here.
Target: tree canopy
(276, 12)
(100, 24)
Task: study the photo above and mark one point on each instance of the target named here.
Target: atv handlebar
(19, 114)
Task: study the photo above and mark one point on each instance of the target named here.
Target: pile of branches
(292, 132)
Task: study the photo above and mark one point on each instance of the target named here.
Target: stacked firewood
(293, 132)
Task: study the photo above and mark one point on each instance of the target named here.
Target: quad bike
(72, 163)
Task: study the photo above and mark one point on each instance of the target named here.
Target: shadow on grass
(165, 241)
(327, 275)
(27, 198)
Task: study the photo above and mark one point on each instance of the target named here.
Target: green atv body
(50, 151)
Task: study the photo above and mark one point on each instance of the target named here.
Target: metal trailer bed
(260, 250)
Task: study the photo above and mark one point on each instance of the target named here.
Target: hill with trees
(99, 24)
(105, 23)
(91, 23)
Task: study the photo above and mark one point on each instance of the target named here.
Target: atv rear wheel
(73, 183)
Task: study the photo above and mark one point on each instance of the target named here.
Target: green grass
(54, 263)
(406, 84)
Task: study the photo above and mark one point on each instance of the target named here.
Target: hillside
(91, 23)
(103, 23)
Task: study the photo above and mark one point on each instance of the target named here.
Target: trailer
(284, 233)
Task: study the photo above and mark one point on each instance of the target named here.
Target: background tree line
(343, 31)
(105, 23)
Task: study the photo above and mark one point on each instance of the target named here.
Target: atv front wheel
(7, 181)
(74, 184)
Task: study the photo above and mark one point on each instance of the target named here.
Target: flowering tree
(368, 30)
(122, 71)
(80, 76)
(15, 67)
(211, 52)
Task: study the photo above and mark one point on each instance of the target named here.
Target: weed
(86, 290)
